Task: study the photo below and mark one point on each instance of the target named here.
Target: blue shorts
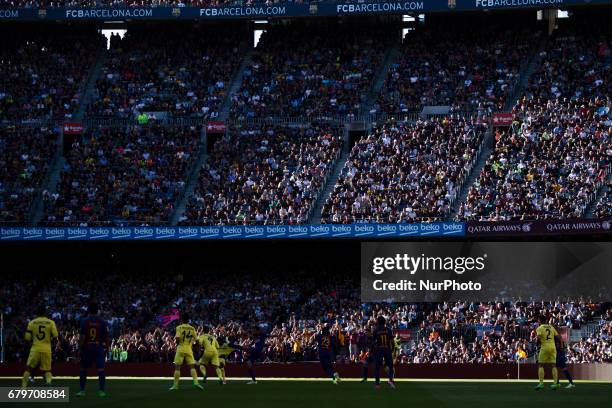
(561, 360)
(91, 355)
(384, 357)
(254, 356)
(325, 358)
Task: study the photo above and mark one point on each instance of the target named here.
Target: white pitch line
(326, 379)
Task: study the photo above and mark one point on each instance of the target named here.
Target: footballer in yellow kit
(546, 335)
(40, 332)
(224, 352)
(397, 347)
(185, 337)
(210, 354)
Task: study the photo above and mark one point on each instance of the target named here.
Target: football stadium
(277, 203)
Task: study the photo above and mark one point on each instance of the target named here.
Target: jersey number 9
(93, 334)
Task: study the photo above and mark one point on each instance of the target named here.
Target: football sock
(555, 375)
(365, 373)
(194, 374)
(177, 377)
(568, 375)
(252, 374)
(24, 380)
(48, 377)
(219, 373)
(82, 379)
(541, 374)
(101, 379)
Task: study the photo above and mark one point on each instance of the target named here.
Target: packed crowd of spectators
(557, 153)
(327, 75)
(459, 67)
(42, 71)
(264, 174)
(116, 176)
(291, 309)
(25, 154)
(405, 172)
(595, 348)
(178, 71)
(603, 208)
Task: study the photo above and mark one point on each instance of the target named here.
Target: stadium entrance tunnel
(356, 131)
(211, 139)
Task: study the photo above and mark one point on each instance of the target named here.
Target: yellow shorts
(40, 359)
(548, 355)
(210, 358)
(183, 357)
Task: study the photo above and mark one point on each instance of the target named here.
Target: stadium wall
(592, 372)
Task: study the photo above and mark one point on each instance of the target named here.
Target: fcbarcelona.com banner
(485, 271)
(435, 229)
(325, 8)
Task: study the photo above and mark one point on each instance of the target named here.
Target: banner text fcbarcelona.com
(414, 264)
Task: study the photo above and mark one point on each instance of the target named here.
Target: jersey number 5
(41, 333)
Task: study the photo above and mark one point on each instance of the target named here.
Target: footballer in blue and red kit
(94, 339)
(383, 350)
(561, 363)
(327, 346)
(368, 359)
(255, 353)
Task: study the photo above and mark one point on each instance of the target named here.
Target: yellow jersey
(546, 334)
(40, 331)
(185, 335)
(225, 350)
(209, 342)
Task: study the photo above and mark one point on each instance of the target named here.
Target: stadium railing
(101, 121)
(469, 332)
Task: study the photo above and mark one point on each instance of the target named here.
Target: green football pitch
(322, 394)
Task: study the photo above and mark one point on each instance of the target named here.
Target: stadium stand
(292, 307)
(594, 348)
(549, 164)
(178, 72)
(118, 176)
(325, 76)
(25, 154)
(403, 172)
(557, 153)
(604, 204)
(264, 174)
(458, 67)
(42, 74)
